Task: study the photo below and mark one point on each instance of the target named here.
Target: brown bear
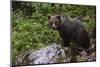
(70, 30)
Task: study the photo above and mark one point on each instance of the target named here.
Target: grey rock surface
(54, 53)
(51, 54)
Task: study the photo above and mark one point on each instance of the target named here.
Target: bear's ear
(49, 17)
(58, 17)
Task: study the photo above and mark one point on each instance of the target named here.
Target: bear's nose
(53, 26)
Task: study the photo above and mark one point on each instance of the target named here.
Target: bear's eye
(56, 23)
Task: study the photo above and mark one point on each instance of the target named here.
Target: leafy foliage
(30, 27)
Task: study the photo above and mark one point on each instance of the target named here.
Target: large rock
(50, 54)
(55, 54)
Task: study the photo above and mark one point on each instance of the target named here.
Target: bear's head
(55, 21)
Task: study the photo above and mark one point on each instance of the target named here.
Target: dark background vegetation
(30, 29)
